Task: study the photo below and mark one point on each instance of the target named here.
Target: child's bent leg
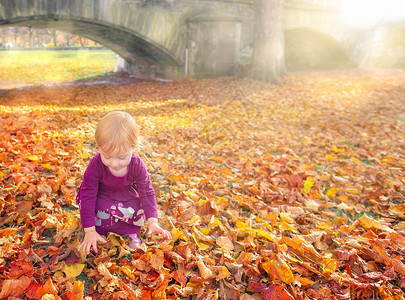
(135, 241)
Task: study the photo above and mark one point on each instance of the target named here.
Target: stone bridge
(200, 38)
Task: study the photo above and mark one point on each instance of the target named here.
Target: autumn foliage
(293, 191)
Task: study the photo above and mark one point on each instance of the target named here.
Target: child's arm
(91, 238)
(154, 227)
(88, 194)
(148, 199)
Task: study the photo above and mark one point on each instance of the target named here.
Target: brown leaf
(205, 272)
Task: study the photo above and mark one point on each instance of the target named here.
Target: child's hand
(90, 239)
(154, 227)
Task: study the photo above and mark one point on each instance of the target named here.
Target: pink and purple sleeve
(145, 190)
(88, 194)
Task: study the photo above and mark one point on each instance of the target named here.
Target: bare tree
(268, 62)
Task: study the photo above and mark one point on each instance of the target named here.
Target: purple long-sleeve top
(116, 203)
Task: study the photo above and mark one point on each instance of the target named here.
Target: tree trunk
(54, 38)
(268, 46)
(3, 38)
(30, 37)
(15, 36)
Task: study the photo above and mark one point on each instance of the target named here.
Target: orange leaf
(8, 232)
(47, 288)
(14, 287)
(279, 270)
(32, 290)
(305, 281)
(78, 289)
(68, 295)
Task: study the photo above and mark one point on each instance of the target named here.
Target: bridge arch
(306, 48)
(144, 35)
(132, 46)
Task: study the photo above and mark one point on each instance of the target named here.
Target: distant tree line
(39, 38)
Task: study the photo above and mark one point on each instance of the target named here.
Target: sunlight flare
(368, 13)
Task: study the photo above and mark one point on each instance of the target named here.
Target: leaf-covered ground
(293, 191)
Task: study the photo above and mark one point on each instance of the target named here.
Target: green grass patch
(53, 66)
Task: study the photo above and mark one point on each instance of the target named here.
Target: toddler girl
(116, 194)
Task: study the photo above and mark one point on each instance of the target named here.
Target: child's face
(116, 162)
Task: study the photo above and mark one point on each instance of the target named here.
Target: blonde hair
(117, 132)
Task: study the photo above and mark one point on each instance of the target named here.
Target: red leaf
(273, 292)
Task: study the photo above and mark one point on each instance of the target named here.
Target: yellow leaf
(285, 274)
(178, 234)
(49, 297)
(259, 219)
(1, 174)
(287, 226)
(214, 222)
(225, 171)
(205, 231)
(343, 198)
(192, 195)
(217, 159)
(73, 270)
(239, 224)
(85, 155)
(264, 234)
(331, 192)
(200, 245)
(33, 157)
(352, 191)
(334, 149)
(201, 202)
(174, 178)
(308, 184)
(46, 166)
(397, 209)
(355, 160)
(71, 223)
(368, 222)
(222, 272)
(330, 265)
